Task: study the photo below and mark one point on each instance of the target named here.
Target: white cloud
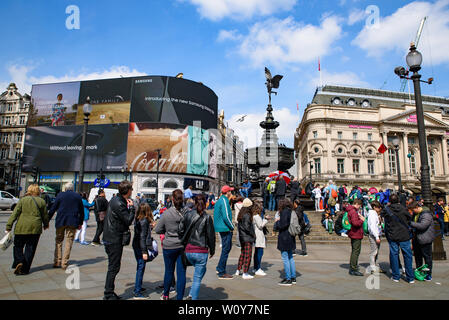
(228, 35)
(239, 9)
(395, 32)
(250, 132)
(277, 42)
(339, 78)
(356, 16)
(20, 75)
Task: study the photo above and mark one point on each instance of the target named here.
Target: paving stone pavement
(323, 274)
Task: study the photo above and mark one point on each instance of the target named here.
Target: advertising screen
(59, 148)
(54, 104)
(110, 100)
(172, 100)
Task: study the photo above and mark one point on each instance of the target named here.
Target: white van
(109, 193)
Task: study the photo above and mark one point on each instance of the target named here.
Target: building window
(315, 134)
(340, 135)
(7, 121)
(356, 166)
(432, 164)
(370, 166)
(392, 161)
(19, 137)
(150, 184)
(341, 165)
(317, 166)
(22, 120)
(431, 141)
(411, 140)
(370, 136)
(316, 150)
(17, 154)
(412, 161)
(4, 138)
(354, 135)
(9, 107)
(4, 153)
(340, 150)
(170, 185)
(355, 151)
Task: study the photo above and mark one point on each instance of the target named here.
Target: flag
(382, 148)
(319, 64)
(297, 106)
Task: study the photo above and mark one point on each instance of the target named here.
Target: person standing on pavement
(142, 240)
(356, 220)
(223, 225)
(188, 194)
(271, 188)
(294, 190)
(259, 223)
(237, 207)
(69, 218)
(398, 234)
(439, 214)
(424, 236)
(374, 234)
(247, 237)
(31, 215)
(82, 232)
(316, 193)
(286, 242)
(197, 231)
(265, 194)
(100, 210)
(299, 210)
(172, 246)
(281, 189)
(120, 216)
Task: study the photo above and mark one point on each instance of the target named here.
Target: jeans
(317, 204)
(100, 227)
(244, 193)
(423, 252)
(114, 252)
(258, 254)
(394, 259)
(303, 243)
(356, 245)
(140, 270)
(441, 222)
(199, 261)
(172, 258)
(332, 210)
(29, 243)
(272, 203)
(289, 264)
(82, 232)
(226, 246)
(266, 200)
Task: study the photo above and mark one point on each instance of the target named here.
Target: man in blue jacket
(246, 189)
(70, 217)
(223, 224)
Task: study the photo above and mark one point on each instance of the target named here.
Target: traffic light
(35, 174)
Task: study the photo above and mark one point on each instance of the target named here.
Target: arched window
(150, 184)
(171, 184)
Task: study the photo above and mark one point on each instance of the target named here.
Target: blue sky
(225, 44)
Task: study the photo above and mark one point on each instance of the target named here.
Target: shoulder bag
(185, 240)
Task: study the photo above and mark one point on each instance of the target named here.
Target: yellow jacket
(446, 214)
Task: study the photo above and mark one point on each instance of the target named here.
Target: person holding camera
(116, 234)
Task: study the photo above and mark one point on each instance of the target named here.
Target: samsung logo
(144, 81)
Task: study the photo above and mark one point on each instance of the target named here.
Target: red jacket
(356, 231)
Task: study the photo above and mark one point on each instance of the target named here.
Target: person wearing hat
(247, 237)
(223, 225)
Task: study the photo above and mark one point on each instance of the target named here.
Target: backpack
(345, 222)
(365, 227)
(307, 227)
(332, 202)
(334, 194)
(294, 228)
(272, 187)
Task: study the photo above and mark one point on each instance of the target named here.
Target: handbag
(152, 250)
(6, 241)
(126, 238)
(184, 241)
(101, 214)
(265, 230)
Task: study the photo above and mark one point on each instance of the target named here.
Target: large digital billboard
(59, 148)
(173, 100)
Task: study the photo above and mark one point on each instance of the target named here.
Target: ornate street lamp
(87, 110)
(414, 60)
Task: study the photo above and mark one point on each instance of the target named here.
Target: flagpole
(319, 70)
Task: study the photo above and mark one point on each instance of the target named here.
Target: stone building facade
(14, 109)
(343, 128)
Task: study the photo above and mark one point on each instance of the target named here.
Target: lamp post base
(438, 252)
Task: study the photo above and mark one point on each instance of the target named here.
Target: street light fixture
(414, 60)
(87, 110)
(157, 174)
(395, 142)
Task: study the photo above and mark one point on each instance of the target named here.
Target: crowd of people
(188, 232)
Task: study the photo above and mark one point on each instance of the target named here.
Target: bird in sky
(242, 118)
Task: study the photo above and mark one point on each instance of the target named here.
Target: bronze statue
(272, 82)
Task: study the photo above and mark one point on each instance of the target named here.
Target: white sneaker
(260, 272)
(237, 273)
(344, 235)
(247, 276)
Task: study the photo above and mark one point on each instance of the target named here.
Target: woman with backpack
(299, 209)
(198, 233)
(31, 215)
(286, 242)
(143, 225)
(247, 237)
(259, 227)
